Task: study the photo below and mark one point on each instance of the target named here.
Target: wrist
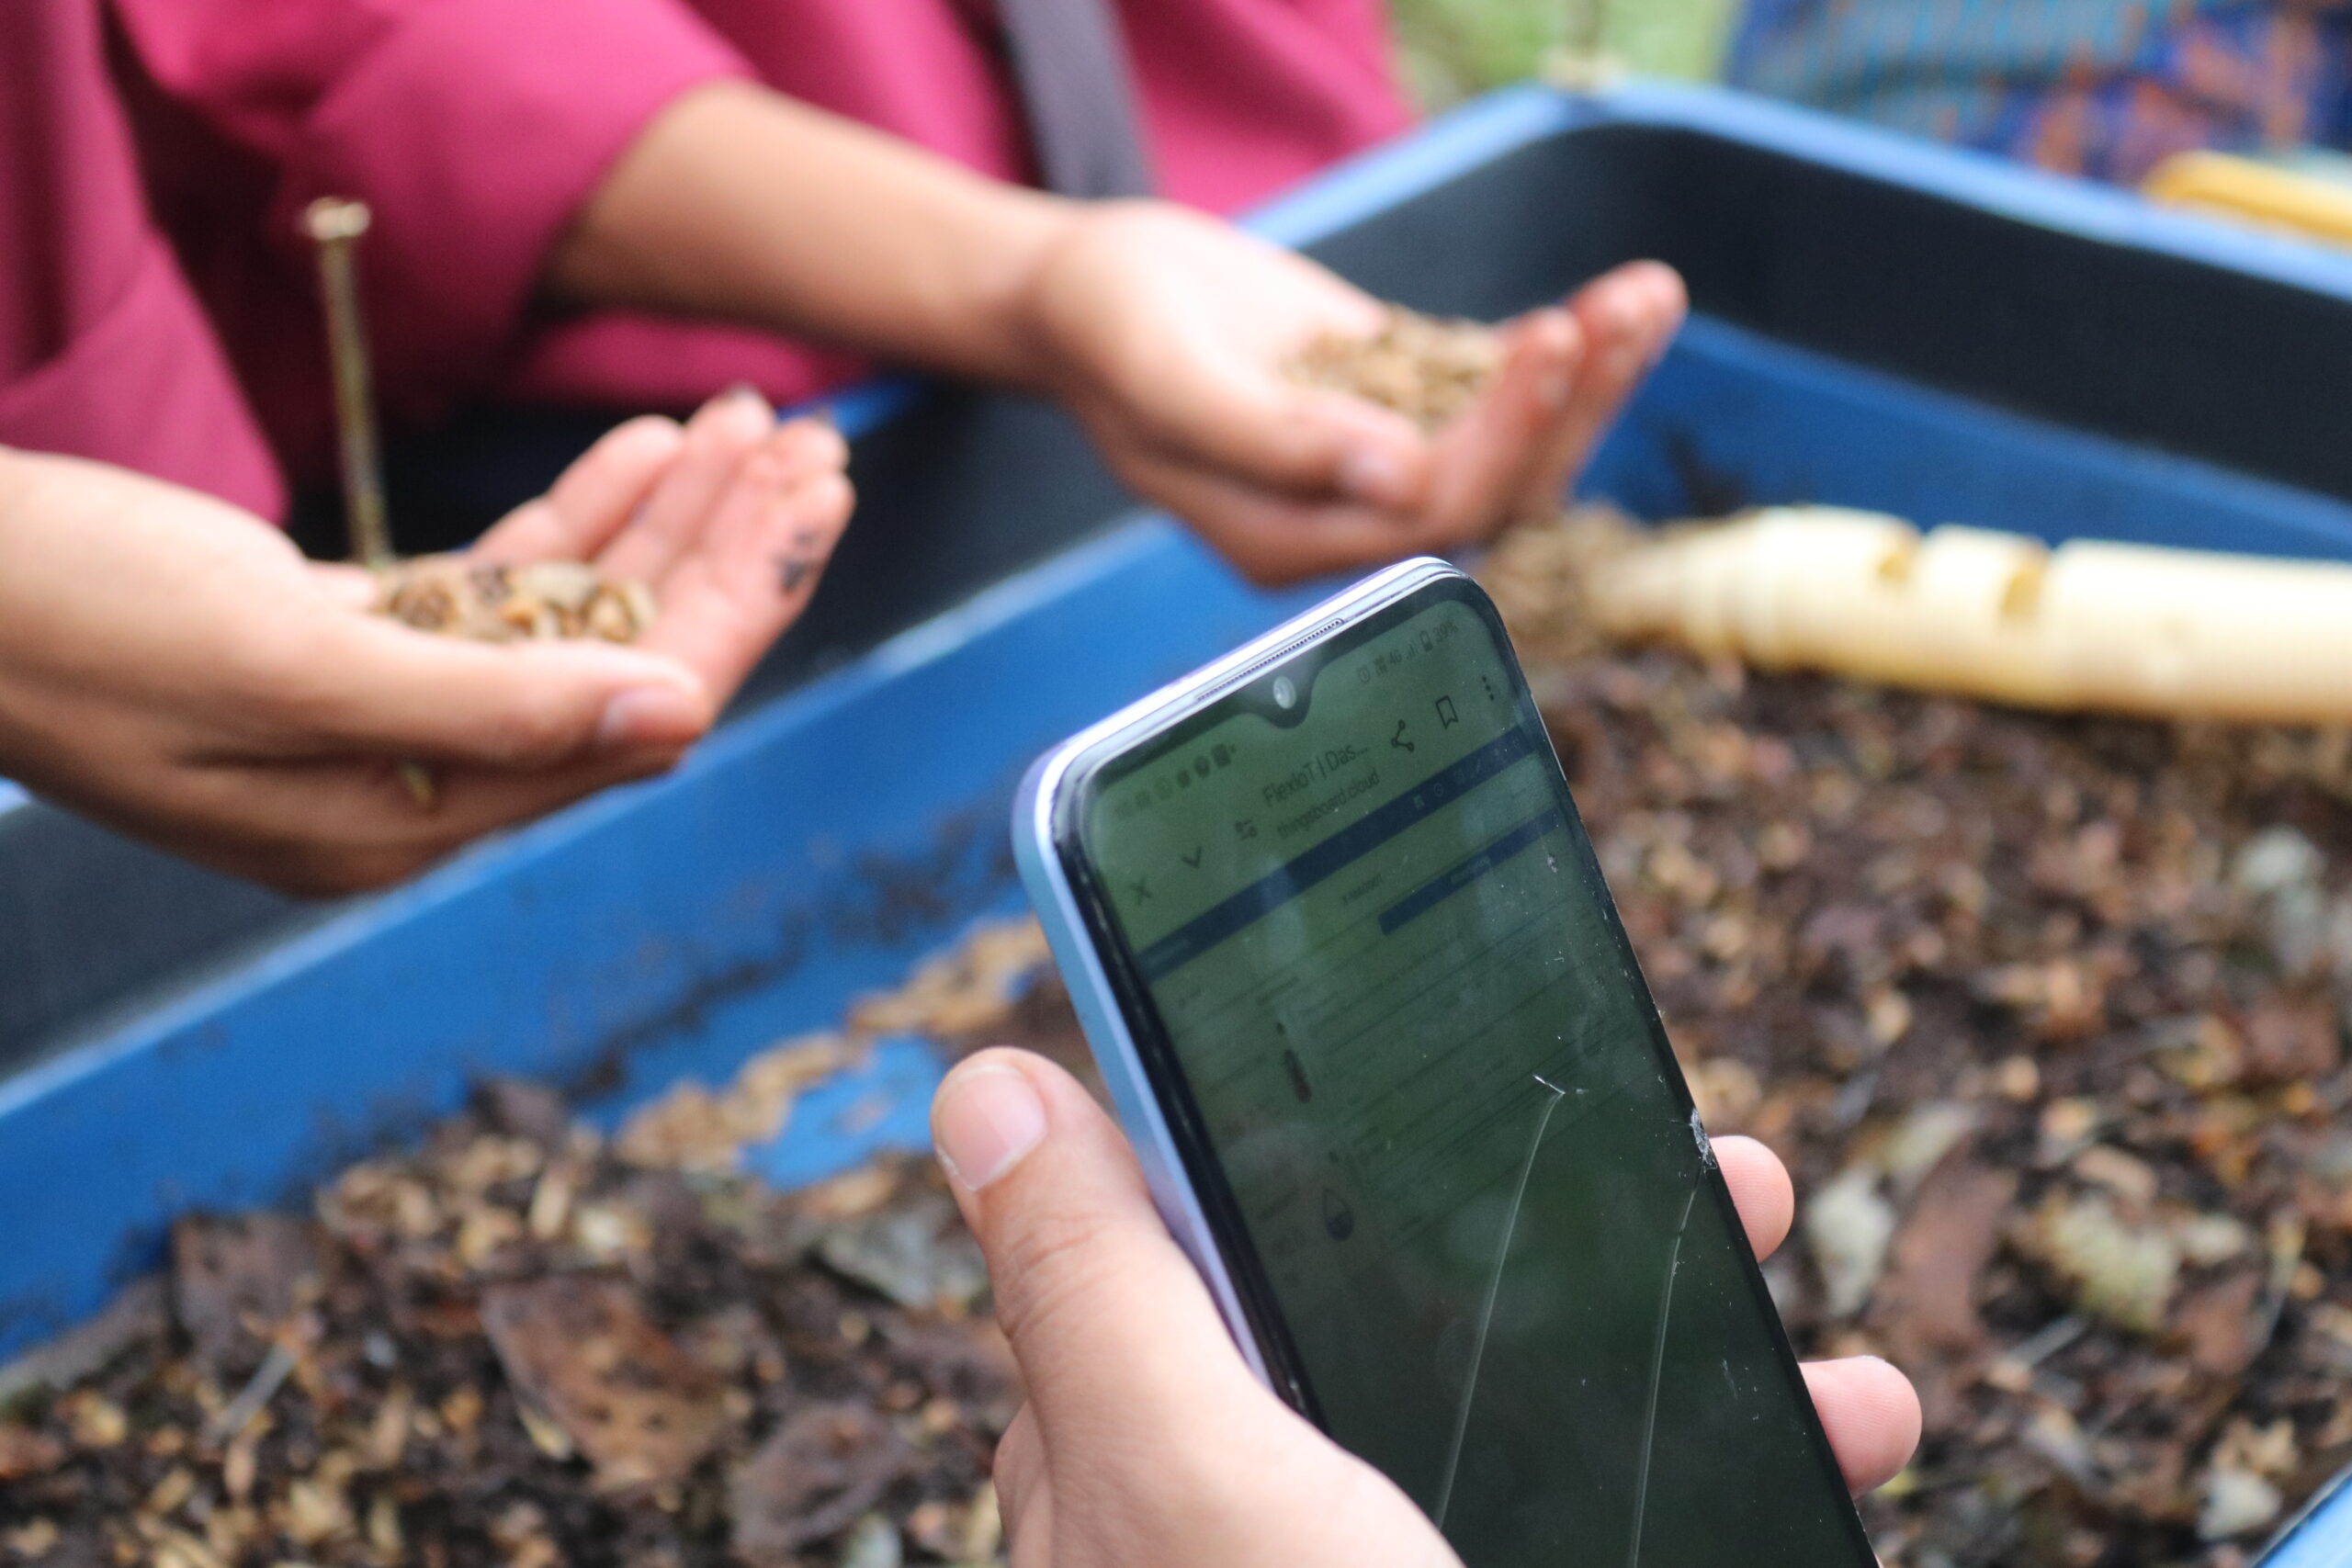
(1056, 307)
(1003, 303)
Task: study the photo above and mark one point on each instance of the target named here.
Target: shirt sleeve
(473, 128)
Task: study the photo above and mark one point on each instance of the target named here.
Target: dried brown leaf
(815, 1474)
(584, 1352)
(236, 1278)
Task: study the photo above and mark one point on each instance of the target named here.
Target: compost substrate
(2045, 1015)
(528, 1344)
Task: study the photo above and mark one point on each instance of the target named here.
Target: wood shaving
(692, 1128)
(962, 991)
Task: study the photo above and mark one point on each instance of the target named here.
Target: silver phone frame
(1091, 996)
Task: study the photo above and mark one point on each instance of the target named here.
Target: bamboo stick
(2129, 629)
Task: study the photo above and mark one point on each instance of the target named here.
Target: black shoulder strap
(1071, 63)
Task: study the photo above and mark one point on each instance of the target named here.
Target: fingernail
(816, 443)
(987, 1120)
(1371, 474)
(1552, 388)
(648, 716)
(745, 393)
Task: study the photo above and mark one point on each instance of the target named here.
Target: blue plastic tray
(822, 846)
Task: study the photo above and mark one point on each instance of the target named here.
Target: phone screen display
(1422, 1083)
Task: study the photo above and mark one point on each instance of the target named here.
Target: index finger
(757, 558)
(1487, 459)
(592, 500)
(1759, 1190)
(1871, 1412)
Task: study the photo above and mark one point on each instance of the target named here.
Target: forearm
(100, 566)
(737, 204)
(18, 474)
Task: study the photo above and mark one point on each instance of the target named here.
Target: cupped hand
(172, 666)
(1165, 332)
(1146, 1441)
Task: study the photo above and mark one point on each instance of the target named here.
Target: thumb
(1111, 1327)
(386, 689)
(1240, 415)
(1315, 442)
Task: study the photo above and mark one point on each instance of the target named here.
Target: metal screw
(336, 223)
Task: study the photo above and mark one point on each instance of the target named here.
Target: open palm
(1168, 331)
(172, 667)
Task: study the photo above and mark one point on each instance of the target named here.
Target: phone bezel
(1054, 804)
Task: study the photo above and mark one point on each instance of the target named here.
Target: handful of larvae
(1428, 368)
(536, 601)
(451, 595)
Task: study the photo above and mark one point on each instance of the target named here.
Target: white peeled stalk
(2129, 629)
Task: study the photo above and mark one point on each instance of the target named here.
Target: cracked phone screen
(1460, 1175)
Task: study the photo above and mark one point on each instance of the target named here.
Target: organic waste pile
(531, 1346)
(2046, 1015)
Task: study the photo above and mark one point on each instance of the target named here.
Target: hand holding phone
(1360, 997)
(1146, 1439)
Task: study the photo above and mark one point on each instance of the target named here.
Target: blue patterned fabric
(2105, 88)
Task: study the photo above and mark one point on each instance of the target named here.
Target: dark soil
(2046, 1016)
(514, 1348)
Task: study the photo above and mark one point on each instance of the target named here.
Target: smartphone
(1362, 1003)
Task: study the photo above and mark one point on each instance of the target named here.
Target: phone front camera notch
(1282, 698)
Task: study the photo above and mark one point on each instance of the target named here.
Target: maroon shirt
(475, 128)
(103, 351)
